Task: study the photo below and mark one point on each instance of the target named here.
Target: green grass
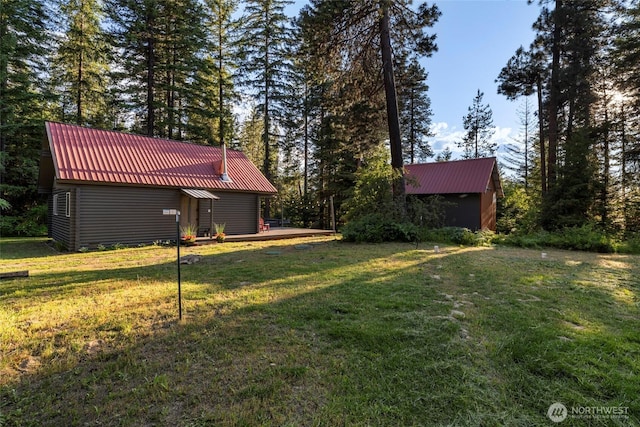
(316, 332)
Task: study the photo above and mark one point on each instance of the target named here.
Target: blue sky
(475, 40)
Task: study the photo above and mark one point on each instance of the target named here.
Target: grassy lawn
(317, 332)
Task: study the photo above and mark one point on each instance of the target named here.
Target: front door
(188, 211)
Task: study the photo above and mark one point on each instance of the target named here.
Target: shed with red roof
(470, 189)
(108, 187)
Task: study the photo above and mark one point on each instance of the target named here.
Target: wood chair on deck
(264, 226)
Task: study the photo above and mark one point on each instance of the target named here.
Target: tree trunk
(150, 75)
(80, 74)
(306, 141)
(395, 140)
(265, 136)
(554, 96)
(543, 154)
(220, 86)
(604, 195)
(413, 129)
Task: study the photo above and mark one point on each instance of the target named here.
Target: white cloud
(446, 136)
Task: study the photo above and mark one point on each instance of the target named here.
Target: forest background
(315, 95)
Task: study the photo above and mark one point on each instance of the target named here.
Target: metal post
(333, 214)
(177, 214)
(178, 246)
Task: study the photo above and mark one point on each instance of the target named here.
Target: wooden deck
(276, 233)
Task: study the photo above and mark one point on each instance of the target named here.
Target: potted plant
(219, 236)
(188, 233)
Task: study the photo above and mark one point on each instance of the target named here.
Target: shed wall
(127, 215)
(62, 227)
(106, 215)
(462, 211)
(239, 211)
(488, 210)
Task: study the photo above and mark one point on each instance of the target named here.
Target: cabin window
(55, 205)
(67, 205)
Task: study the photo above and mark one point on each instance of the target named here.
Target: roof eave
(125, 184)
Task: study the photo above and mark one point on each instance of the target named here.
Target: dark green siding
(462, 210)
(106, 215)
(239, 211)
(62, 226)
(127, 215)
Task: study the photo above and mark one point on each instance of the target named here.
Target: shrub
(459, 236)
(517, 211)
(376, 228)
(427, 211)
(631, 245)
(31, 224)
(585, 238)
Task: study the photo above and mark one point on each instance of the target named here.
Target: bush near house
(31, 224)
(376, 228)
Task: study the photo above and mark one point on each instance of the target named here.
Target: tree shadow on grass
(310, 338)
(17, 248)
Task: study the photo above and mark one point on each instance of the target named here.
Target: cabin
(470, 189)
(106, 187)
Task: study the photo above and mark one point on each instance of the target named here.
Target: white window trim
(55, 205)
(68, 204)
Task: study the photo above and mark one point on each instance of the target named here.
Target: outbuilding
(469, 188)
(106, 187)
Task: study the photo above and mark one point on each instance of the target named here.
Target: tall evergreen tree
(575, 39)
(479, 126)
(266, 65)
(160, 44)
(627, 62)
(519, 157)
(358, 37)
(303, 105)
(414, 110)
(81, 64)
(524, 75)
(23, 47)
(212, 119)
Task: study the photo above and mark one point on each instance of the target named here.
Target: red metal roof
(460, 176)
(93, 155)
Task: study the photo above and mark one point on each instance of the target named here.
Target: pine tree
(445, 155)
(266, 66)
(353, 43)
(23, 96)
(479, 126)
(212, 119)
(519, 157)
(575, 39)
(250, 137)
(524, 75)
(160, 44)
(627, 62)
(81, 64)
(415, 111)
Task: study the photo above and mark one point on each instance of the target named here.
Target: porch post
(211, 219)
